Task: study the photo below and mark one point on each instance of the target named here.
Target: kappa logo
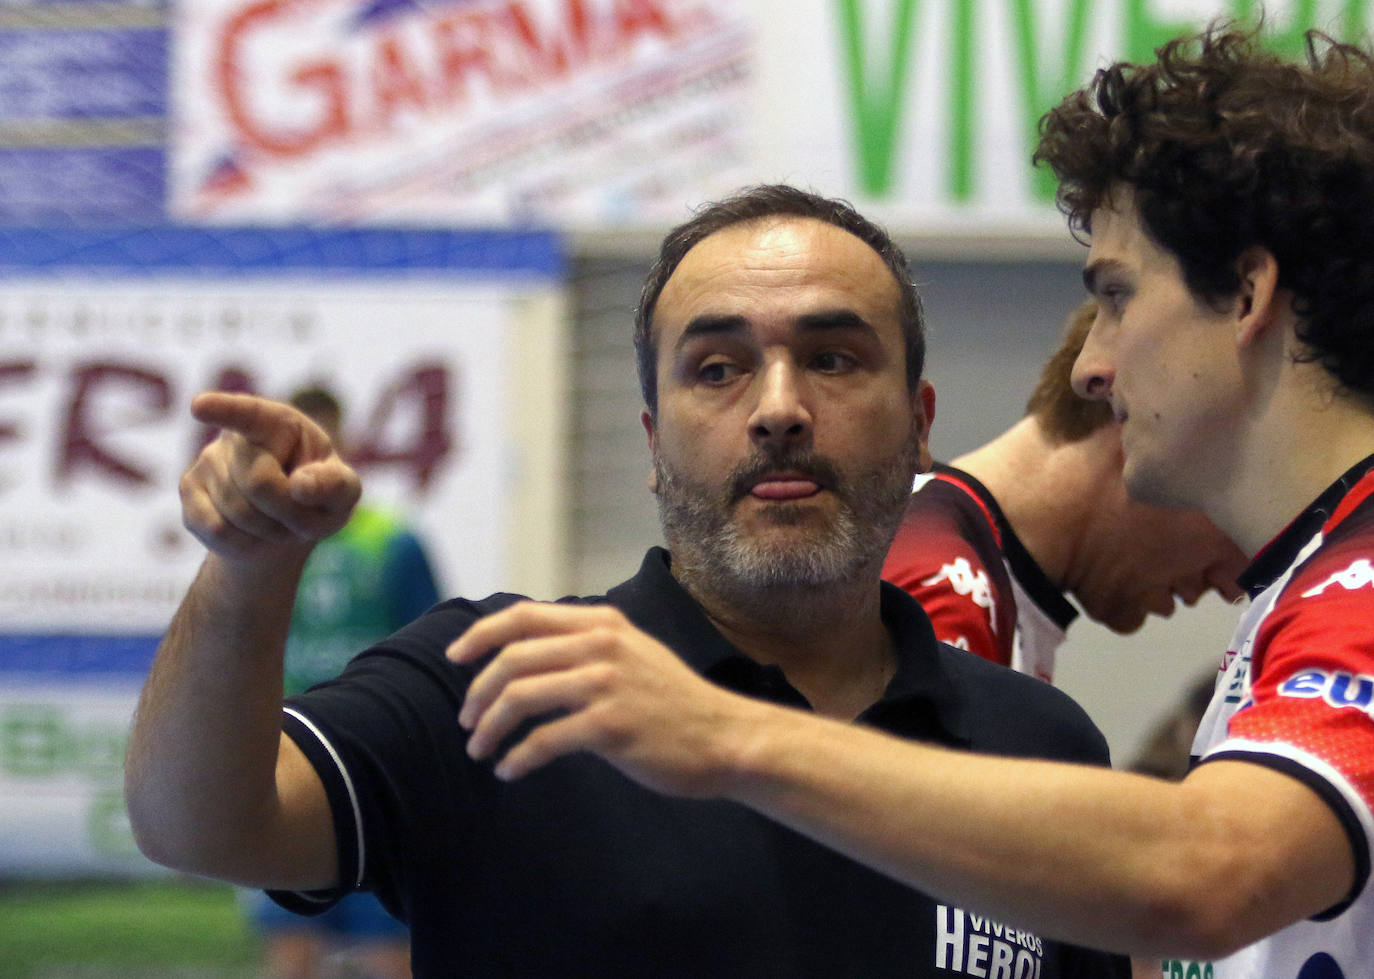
(972, 584)
(1360, 574)
(979, 946)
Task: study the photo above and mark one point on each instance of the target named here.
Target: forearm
(1102, 858)
(1076, 852)
(201, 770)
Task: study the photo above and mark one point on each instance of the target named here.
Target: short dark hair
(320, 404)
(1063, 415)
(1226, 146)
(752, 204)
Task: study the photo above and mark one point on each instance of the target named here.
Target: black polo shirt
(575, 870)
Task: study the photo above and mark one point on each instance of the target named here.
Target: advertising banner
(83, 108)
(926, 113)
(570, 112)
(610, 114)
(104, 339)
(62, 776)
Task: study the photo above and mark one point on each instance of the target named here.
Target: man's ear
(923, 408)
(1261, 303)
(647, 420)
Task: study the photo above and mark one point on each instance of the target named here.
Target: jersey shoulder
(948, 557)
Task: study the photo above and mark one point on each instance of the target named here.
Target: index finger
(270, 425)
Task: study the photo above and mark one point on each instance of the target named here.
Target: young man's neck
(1288, 465)
(1042, 487)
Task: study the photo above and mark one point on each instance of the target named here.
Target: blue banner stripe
(71, 655)
(69, 186)
(71, 74)
(157, 250)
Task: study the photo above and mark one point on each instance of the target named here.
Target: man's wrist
(757, 748)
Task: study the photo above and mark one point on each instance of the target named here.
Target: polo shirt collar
(928, 696)
(655, 601)
(922, 686)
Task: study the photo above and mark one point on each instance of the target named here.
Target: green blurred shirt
(359, 586)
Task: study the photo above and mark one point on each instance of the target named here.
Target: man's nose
(1093, 374)
(782, 413)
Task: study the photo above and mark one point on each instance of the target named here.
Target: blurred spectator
(993, 543)
(359, 586)
(1167, 752)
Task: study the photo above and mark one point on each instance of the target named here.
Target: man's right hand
(212, 784)
(270, 485)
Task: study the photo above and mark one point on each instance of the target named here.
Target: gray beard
(710, 550)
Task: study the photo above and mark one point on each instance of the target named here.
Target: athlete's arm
(1101, 858)
(1105, 859)
(213, 787)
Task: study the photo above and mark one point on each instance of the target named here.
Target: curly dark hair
(1226, 146)
(752, 204)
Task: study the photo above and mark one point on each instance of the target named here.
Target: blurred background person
(1168, 748)
(994, 542)
(359, 586)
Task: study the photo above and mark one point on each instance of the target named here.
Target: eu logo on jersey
(1337, 688)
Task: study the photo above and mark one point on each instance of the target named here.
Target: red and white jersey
(957, 555)
(1297, 694)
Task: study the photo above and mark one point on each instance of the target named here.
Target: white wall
(1127, 682)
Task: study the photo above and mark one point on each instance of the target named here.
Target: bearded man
(780, 353)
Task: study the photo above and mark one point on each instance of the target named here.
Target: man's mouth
(784, 488)
(784, 479)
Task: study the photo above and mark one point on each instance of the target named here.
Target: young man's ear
(1260, 302)
(647, 420)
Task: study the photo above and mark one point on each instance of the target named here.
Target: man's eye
(718, 372)
(832, 362)
(1113, 297)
